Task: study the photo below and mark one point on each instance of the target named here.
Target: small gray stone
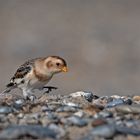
(18, 103)
(115, 102)
(126, 130)
(105, 131)
(5, 110)
(66, 109)
(74, 120)
(105, 114)
(89, 96)
(60, 131)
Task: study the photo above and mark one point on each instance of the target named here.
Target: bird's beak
(64, 69)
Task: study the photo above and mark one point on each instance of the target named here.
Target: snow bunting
(35, 74)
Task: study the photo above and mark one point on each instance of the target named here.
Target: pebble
(136, 98)
(98, 122)
(20, 102)
(79, 114)
(105, 131)
(5, 110)
(60, 131)
(66, 109)
(128, 101)
(74, 120)
(3, 119)
(89, 96)
(115, 102)
(126, 130)
(128, 109)
(71, 104)
(32, 118)
(115, 96)
(105, 114)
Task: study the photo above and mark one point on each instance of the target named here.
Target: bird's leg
(49, 88)
(28, 96)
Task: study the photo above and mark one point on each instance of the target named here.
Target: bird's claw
(49, 89)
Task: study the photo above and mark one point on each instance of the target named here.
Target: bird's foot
(49, 89)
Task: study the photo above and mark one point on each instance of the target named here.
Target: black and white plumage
(35, 74)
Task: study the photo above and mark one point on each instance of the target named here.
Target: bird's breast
(37, 80)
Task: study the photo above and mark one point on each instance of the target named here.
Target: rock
(18, 104)
(115, 96)
(36, 109)
(48, 108)
(44, 121)
(89, 96)
(98, 122)
(136, 98)
(115, 102)
(30, 119)
(128, 101)
(71, 104)
(5, 110)
(66, 109)
(128, 109)
(101, 102)
(91, 110)
(60, 131)
(34, 131)
(12, 118)
(126, 130)
(105, 131)
(74, 120)
(48, 118)
(3, 118)
(105, 114)
(131, 123)
(20, 115)
(79, 114)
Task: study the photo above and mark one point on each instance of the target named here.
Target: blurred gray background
(100, 39)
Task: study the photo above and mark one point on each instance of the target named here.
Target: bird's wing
(21, 72)
(18, 77)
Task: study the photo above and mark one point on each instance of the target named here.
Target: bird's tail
(8, 88)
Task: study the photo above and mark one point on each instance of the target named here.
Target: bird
(35, 74)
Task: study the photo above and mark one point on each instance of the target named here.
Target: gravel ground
(77, 116)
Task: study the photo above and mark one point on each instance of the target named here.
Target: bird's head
(55, 64)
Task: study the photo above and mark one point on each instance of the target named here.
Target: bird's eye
(58, 64)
